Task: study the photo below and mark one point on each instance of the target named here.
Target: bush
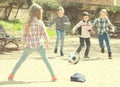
(48, 4)
(12, 25)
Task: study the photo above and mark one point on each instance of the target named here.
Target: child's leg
(107, 40)
(100, 38)
(62, 38)
(81, 45)
(42, 52)
(57, 40)
(87, 41)
(26, 53)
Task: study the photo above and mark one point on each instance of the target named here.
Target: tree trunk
(16, 14)
(7, 12)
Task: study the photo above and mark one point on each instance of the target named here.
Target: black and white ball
(73, 58)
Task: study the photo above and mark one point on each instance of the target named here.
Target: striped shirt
(60, 22)
(36, 32)
(102, 25)
(86, 28)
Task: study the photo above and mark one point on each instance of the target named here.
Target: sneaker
(109, 56)
(61, 53)
(54, 78)
(102, 50)
(55, 51)
(11, 76)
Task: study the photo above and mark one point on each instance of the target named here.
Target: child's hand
(73, 32)
(47, 44)
(112, 30)
(23, 46)
(93, 32)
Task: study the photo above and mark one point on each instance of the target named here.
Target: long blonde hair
(34, 11)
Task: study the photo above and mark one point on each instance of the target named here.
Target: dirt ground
(98, 69)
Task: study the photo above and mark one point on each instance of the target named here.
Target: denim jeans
(101, 38)
(60, 36)
(88, 44)
(27, 52)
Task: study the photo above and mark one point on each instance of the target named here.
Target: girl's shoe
(54, 78)
(11, 76)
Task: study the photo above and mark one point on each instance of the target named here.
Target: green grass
(17, 25)
(12, 25)
(51, 33)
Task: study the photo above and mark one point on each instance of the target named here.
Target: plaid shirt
(102, 25)
(33, 38)
(60, 22)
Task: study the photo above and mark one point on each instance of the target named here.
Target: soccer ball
(73, 58)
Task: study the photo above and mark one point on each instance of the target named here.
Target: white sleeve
(76, 26)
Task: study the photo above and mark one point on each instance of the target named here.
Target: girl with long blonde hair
(34, 33)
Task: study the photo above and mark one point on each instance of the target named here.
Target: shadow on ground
(2, 50)
(13, 82)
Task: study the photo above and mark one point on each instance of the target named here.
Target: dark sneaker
(109, 55)
(55, 51)
(61, 53)
(102, 50)
(11, 76)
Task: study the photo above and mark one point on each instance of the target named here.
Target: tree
(14, 3)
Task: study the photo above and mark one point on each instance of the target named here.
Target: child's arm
(67, 22)
(44, 34)
(90, 30)
(111, 25)
(76, 27)
(52, 22)
(43, 31)
(25, 33)
(95, 22)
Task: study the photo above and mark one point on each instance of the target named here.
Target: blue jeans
(88, 44)
(27, 51)
(60, 36)
(101, 38)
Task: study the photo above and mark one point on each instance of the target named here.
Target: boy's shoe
(109, 55)
(55, 51)
(102, 50)
(11, 76)
(54, 78)
(61, 53)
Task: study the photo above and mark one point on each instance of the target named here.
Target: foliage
(114, 9)
(72, 5)
(51, 4)
(12, 25)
